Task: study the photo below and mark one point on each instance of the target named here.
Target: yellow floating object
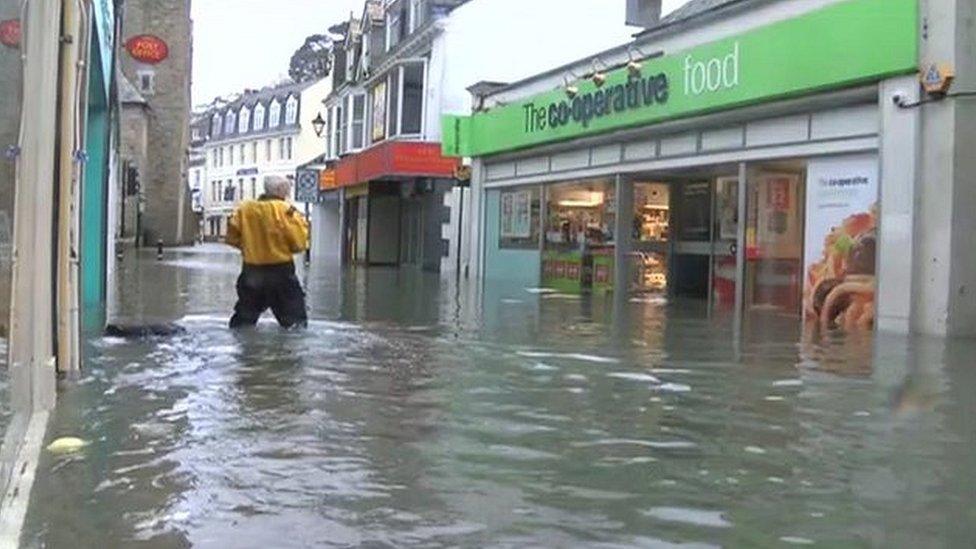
(66, 445)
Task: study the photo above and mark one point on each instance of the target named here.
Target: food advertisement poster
(516, 214)
(841, 240)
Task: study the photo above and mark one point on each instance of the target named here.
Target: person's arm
(234, 230)
(296, 231)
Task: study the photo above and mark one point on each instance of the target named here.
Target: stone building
(164, 192)
(134, 151)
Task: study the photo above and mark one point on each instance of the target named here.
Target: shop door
(774, 241)
(725, 236)
(691, 251)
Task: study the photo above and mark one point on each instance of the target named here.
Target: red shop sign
(10, 33)
(147, 48)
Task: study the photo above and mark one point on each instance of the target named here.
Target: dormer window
(393, 14)
(244, 123)
(215, 125)
(258, 117)
(415, 14)
(291, 111)
(275, 117)
(230, 122)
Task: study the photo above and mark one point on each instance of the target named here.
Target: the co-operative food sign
(839, 45)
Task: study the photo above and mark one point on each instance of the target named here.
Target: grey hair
(275, 185)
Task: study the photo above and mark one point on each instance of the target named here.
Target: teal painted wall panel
(516, 268)
(94, 191)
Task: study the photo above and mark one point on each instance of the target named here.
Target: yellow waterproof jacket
(267, 231)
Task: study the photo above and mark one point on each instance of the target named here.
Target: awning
(393, 160)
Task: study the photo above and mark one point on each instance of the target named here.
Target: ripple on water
(696, 517)
(581, 357)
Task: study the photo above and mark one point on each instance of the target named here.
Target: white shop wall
(509, 40)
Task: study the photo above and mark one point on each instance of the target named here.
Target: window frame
(274, 117)
(391, 21)
(258, 118)
(291, 111)
(230, 122)
(244, 120)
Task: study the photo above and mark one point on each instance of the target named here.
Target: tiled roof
(250, 99)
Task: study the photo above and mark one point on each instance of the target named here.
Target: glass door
(774, 240)
(725, 236)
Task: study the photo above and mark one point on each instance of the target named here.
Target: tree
(312, 60)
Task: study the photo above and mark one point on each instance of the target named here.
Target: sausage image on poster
(841, 243)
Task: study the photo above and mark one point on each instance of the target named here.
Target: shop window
(413, 99)
(394, 102)
(343, 145)
(651, 231)
(378, 112)
(519, 222)
(357, 120)
(579, 239)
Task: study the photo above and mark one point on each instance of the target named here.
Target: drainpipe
(76, 25)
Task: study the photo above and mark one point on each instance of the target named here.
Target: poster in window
(379, 112)
(841, 243)
(516, 210)
(728, 208)
(778, 224)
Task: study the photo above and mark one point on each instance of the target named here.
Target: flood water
(411, 415)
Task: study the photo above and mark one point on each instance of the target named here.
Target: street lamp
(318, 124)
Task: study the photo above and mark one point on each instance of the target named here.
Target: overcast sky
(241, 44)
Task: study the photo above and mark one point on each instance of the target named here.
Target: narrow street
(408, 416)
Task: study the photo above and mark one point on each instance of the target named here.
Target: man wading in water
(269, 232)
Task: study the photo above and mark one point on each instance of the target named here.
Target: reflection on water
(409, 414)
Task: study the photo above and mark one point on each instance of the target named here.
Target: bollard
(159, 250)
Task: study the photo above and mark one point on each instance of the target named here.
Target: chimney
(643, 13)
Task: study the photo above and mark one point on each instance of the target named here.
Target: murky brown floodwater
(406, 416)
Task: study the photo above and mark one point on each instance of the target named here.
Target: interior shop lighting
(595, 199)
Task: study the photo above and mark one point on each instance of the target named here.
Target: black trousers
(269, 286)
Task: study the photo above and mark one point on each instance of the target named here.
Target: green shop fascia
(841, 45)
(837, 46)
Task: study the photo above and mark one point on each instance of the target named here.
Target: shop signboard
(147, 48)
(843, 44)
(841, 235)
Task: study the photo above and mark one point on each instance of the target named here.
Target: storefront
(743, 171)
(393, 208)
